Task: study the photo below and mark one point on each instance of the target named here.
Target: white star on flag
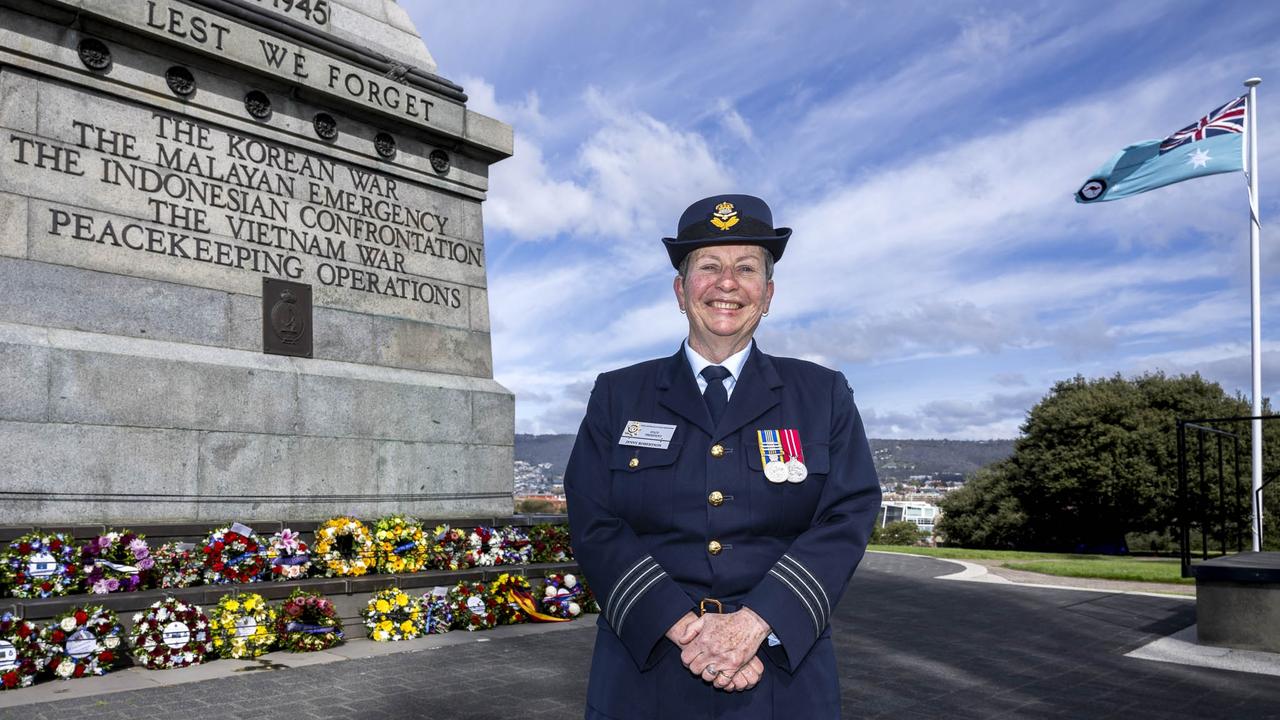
(1199, 158)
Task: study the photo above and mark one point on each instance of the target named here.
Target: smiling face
(724, 292)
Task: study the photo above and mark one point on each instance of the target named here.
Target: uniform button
(634, 463)
(716, 498)
(714, 547)
(717, 450)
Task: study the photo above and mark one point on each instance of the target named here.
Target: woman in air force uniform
(719, 500)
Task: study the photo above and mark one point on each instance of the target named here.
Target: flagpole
(1255, 255)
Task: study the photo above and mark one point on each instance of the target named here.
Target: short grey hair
(683, 270)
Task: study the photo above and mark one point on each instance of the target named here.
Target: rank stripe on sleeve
(633, 583)
(812, 582)
(817, 626)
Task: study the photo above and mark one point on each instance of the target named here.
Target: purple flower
(104, 542)
(146, 563)
(139, 548)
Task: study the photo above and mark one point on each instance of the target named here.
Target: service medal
(771, 457)
(776, 471)
(796, 470)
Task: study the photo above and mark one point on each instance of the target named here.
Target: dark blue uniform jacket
(642, 522)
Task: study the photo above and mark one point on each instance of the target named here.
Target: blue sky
(925, 154)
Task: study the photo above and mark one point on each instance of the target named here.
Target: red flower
(24, 548)
(58, 636)
(79, 671)
(11, 679)
(71, 569)
(107, 656)
(46, 586)
(81, 617)
(55, 545)
(24, 630)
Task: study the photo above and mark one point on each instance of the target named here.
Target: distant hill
(895, 459)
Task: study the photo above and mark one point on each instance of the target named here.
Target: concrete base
(1238, 602)
(104, 429)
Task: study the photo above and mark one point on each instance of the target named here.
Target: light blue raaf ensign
(1140, 167)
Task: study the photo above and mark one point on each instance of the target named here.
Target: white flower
(65, 668)
(111, 641)
(551, 592)
(574, 609)
(137, 618)
(68, 624)
(570, 580)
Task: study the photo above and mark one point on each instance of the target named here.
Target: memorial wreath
(484, 548)
(509, 589)
(393, 615)
(233, 554)
(550, 543)
(23, 655)
(562, 596)
(177, 565)
(307, 622)
(170, 634)
(36, 565)
(82, 641)
(450, 548)
(474, 607)
(242, 625)
(437, 611)
(345, 547)
(289, 555)
(402, 547)
(515, 547)
(118, 561)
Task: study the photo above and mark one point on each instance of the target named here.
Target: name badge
(647, 435)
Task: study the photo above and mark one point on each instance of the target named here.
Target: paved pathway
(909, 646)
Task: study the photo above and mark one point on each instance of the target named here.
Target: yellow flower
(250, 603)
(232, 605)
(406, 627)
(402, 599)
(383, 606)
(385, 626)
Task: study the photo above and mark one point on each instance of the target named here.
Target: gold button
(714, 547)
(717, 450)
(716, 498)
(634, 463)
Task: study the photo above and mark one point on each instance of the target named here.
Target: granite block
(54, 458)
(120, 305)
(24, 379)
(118, 389)
(348, 407)
(493, 417)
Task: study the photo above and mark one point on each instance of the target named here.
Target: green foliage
(898, 532)
(1097, 460)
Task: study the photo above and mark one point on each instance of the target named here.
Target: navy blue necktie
(716, 396)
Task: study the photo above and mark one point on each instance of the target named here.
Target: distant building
(922, 514)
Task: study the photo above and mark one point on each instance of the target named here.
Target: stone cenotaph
(242, 267)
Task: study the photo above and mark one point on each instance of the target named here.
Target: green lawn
(1158, 571)
(967, 554)
(1105, 567)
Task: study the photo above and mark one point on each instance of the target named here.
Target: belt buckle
(703, 604)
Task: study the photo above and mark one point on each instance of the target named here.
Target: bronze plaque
(286, 318)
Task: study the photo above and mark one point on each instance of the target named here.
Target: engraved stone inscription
(143, 184)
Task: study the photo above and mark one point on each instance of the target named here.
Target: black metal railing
(1215, 499)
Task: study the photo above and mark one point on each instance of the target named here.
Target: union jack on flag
(1225, 120)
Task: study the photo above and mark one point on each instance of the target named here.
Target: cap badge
(725, 216)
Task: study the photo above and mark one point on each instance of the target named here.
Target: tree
(1097, 459)
(898, 532)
